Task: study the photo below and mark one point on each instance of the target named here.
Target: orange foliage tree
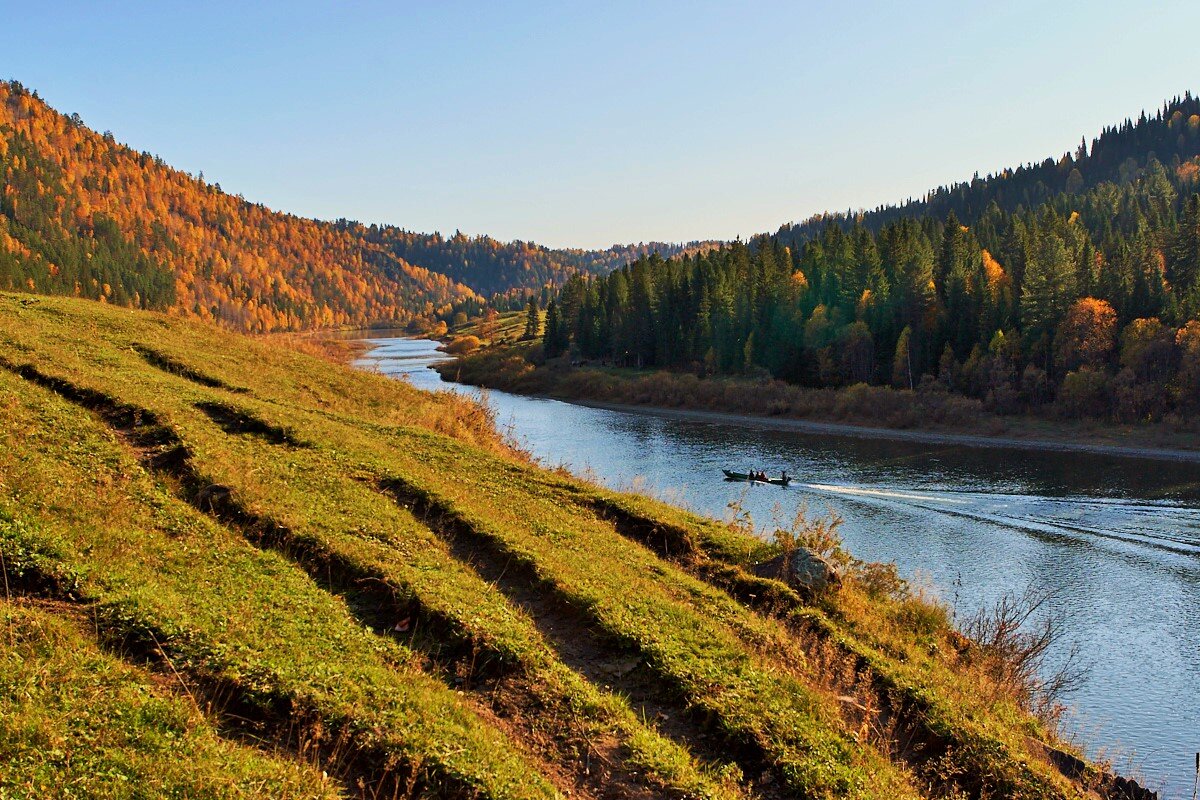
(1087, 335)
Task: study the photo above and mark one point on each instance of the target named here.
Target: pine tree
(1183, 266)
(532, 320)
(1049, 287)
(555, 341)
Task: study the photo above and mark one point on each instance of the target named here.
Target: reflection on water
(1116, 540)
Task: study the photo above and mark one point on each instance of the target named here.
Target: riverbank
(860, 411)
(926, 437)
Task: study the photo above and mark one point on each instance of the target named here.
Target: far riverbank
(862, 411)
(921, 436)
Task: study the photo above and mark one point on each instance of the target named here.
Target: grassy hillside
(310, 581)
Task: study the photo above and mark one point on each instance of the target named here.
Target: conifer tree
(1048, 287)
(532, 320)
(555, 340)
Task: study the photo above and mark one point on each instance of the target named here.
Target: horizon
(202, 89)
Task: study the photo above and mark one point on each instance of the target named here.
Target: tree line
(504, 271)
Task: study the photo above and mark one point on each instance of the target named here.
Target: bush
(1085, 393)
(1014, 639)
(463, 345)
(1135, 400)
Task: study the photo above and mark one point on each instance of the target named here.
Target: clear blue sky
(586, 124)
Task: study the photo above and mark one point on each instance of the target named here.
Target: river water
(1116, 540)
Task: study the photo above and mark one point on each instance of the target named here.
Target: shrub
(1015, 637)
(463, 345)
(1085, 393)
(819, 534)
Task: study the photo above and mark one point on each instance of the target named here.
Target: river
(1116, 540)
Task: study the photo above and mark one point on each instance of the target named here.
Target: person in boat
(783, 475)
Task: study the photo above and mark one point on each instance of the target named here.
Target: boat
(742, 476)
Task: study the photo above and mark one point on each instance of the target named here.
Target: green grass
(158, 574)
(79, 722)
(381, 582)
(509, 326)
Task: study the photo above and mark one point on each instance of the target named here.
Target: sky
(585, 124)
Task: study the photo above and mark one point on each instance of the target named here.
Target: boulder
(1108, 785)
(803, 569)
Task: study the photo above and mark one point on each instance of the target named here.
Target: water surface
(1117, 540)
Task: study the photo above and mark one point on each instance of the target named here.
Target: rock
(803, 569)
(1107, 785)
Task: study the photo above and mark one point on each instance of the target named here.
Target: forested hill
(83, 215)
(492, 267)
(1117, 155)
(1084, 293)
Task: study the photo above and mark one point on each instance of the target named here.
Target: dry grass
(338, 351)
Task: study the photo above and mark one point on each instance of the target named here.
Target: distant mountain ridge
(83, 215)
(492, 267)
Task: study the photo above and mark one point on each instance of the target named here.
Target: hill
(1116, 156)
(309, 581)
(1070, 288)
(83, 215)
(491, 267)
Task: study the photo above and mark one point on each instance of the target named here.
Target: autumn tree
(1187, 386)
(1087, 335)
(902, 371)
(489, 324)
(1148, 349)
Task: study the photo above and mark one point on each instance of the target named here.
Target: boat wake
(1137, 523)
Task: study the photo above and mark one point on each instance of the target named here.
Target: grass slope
(79, 722)
(325, 568)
